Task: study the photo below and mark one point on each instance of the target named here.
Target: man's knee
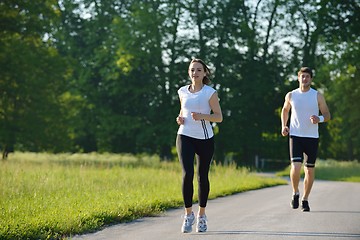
(296, 166)
(309, 170)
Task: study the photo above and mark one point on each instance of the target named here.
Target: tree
(103, 75)
(344, 92)
(32, 78)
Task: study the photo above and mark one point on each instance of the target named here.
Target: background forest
(99, 75)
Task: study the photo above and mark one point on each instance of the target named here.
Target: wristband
(321, 119)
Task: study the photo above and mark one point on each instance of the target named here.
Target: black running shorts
(304, 149)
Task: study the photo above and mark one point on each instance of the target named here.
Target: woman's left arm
(215, 116)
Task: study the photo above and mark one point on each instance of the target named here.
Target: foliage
(348, 171)
(84, 76)
(345, 92)
(32, 79)
(48, 196)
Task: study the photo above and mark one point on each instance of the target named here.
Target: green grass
(333, 170)
(47, 196)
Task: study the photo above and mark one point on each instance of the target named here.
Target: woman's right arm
(180, 119)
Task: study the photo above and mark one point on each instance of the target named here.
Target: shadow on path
(352, 212)
(277, 233)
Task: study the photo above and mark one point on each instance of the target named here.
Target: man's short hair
(305, 70)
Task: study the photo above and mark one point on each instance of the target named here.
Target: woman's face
(196, 72)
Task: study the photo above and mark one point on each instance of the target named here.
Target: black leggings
(187, 148)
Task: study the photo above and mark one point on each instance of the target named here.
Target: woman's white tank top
(195, 102)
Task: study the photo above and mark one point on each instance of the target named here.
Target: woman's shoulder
(183, 88)
(208, 91)
(207, 87)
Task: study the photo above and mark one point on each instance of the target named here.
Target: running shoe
(305, 206)
(295, 201)
(189, 220)
(201, 224)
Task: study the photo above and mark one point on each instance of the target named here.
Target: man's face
(305, 79)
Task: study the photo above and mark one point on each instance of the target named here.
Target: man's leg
(295, 176)
(296, 157)
(308, 181)
(295, 179)
(309, 169)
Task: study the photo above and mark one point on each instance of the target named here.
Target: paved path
(259, 214)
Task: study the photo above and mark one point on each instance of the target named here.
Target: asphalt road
(259, 214)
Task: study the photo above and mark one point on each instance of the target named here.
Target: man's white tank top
(304, 104)
(195, 102)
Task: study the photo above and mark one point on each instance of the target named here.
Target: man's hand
(285, 131)
(314, 119)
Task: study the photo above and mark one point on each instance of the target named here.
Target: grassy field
(333, 170)
(47, 196)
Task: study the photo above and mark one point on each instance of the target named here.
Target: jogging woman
(199, 106)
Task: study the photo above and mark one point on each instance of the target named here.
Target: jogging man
(305, 103)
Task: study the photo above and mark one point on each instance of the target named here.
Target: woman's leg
(204, 155)
(186, 154)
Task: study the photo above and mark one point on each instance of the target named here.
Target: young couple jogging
(195, 138)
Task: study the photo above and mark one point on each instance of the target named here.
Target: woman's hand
(197, 116)
(180, 120)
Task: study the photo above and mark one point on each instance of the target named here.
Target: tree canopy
(95, 75)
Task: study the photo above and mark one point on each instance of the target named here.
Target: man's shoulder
(296, 90)
(314, 90)
(290, 93)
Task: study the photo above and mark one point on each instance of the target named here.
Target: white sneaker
(201, 223)
(189, 220)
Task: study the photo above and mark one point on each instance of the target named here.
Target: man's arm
(325, 113)
(285, 115)
(323, 108)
